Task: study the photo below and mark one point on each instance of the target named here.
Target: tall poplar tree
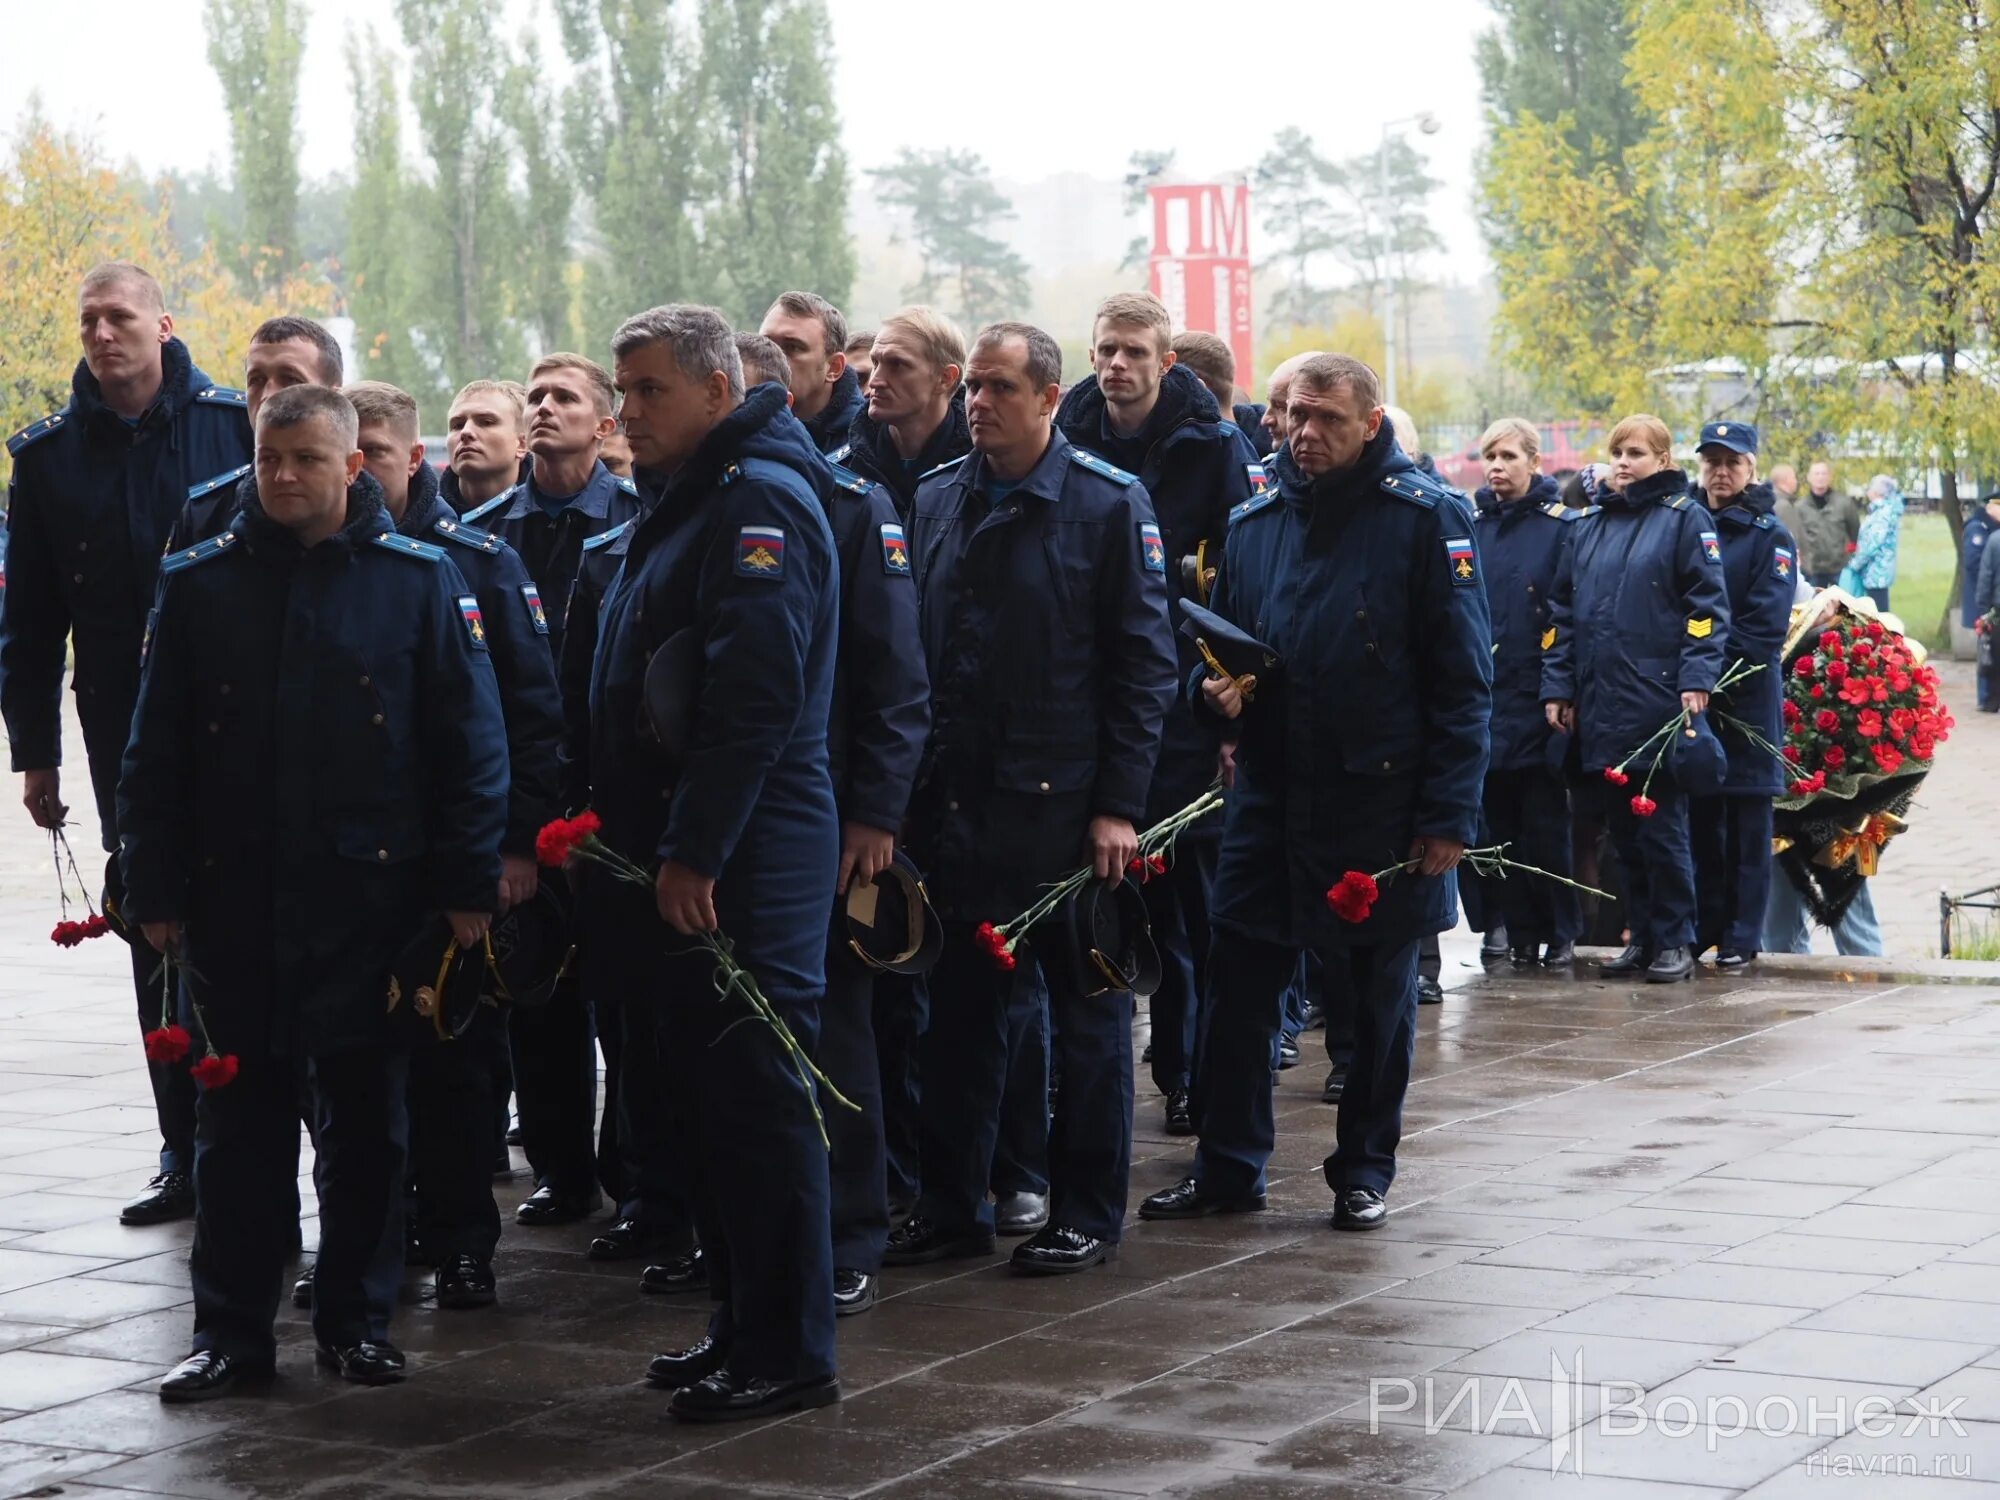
(255, 47)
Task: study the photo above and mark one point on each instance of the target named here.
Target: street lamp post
(1428, 124)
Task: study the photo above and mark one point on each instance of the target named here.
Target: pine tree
(952, 206)
(254, 47)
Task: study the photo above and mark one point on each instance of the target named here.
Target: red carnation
(1869, 725)
(167, 1044)
(1792, 754)
(1887, 756)
(1899, 682)
(1819, 690)
(1876, 630)
(1835, 757)
(66, 934)
(214, 1072)
(1829, 639)
(1354, 896)
(563, 836)
(1802, 788)
(1803, 667)
(1615, 776)
(994, 942)
(94, 925)
(1793, 713)
(1836, 671)
(1855, 693)
(1644, 807)
(1157, 863)
(1827, 720)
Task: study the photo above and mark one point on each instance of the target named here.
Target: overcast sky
(1035, 86)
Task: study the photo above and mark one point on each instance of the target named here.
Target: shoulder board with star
(200, 552)
(847, 479)
(606, 538)
(409, 546)
(34, 432)
(839, 455)
(1415, 488)
(207, 486)
(1259, 501)
(490, 506)
(627, 485)
(1765, 521)
(222, 395)
(467, 536)
(1101, 466)
(950, 463)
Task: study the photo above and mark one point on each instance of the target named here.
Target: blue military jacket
(1641, 615)
(1366, 583)
(1760, 569)
(870, 451)
(552, 546)
(738, 548)
(1044, 622)
(602, 556)
(89, 509)
(517, 624)
(312, 771)
(1520, 550)
(1197, 467)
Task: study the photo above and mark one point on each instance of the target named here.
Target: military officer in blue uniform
(568, 497)
(1732, 832)
(741, 820)
(875, 740)
(1154, 418)
(453, 1109)
(310, 774)
(1521, 531)
(1041, 577)
(1641, 622)
(1357, 571)
(94, 493)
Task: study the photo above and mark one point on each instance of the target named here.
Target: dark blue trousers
(1021, 1154)
(965, 1067)
(1237, 1122)
(452, 1140)
(1732, 863)
(858, 1167)
(759, 1170)
(1177, 909)
(1528, 810)
(1659, 866)
(173, 1088)
(246, 1162)
(902, 1014)
(554, 1050)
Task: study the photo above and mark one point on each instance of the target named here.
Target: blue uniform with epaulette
(1367, 586)
(875, 741)
(871, 452)
(1731, 832)
(738, 549)
(828, 427)
(456, 1089)
(1526, 802)
(1197, 466)
(311, 776)
(1641, 615)
(89, 506)
(554, 1054)
(1044, 618)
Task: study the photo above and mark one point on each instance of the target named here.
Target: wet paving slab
(1680, 1242)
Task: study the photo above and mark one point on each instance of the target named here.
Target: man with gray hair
(1042, 596)
(364, 804)
(95, 490)
(711, 761)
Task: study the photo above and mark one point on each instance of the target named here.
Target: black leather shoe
(1559, 956)
(679, 1367)
(723, 1397)
(1671, 966)
(208, 1373)
(1731, 959)
(1185, 1200)
(1315, 1017)
(918, 1242)
(1359, 1208)
(1288, 1053)
(1631, 961)
(546, 1206)
(1429, 992)
(1525, 955)
(1336, 1084)
(854, 1292)
(683, 1273)
(624, 1239)
(1147, 1055)
(168, 1196)
(1059, 1251)
(1016, 1214)
(302, 1289)
(363, 1363)
(465, 1281)
(1493, 945)
(1180, 1114)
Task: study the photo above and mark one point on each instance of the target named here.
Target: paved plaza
(1738, 1236)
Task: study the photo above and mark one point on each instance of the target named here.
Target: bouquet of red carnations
(1860, 706)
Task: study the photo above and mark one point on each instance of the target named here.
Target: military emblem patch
(1701, 627)
(532, 597)
(1464, 560)
(1259, 480)
(895, 550)
(1152, 550)
(475, 623)
(1781, 563)
(1548, 637)
(1710, 547)
(760, 552)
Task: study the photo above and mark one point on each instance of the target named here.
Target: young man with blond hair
(915, 417)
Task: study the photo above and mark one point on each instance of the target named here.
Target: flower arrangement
(1860, 706)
